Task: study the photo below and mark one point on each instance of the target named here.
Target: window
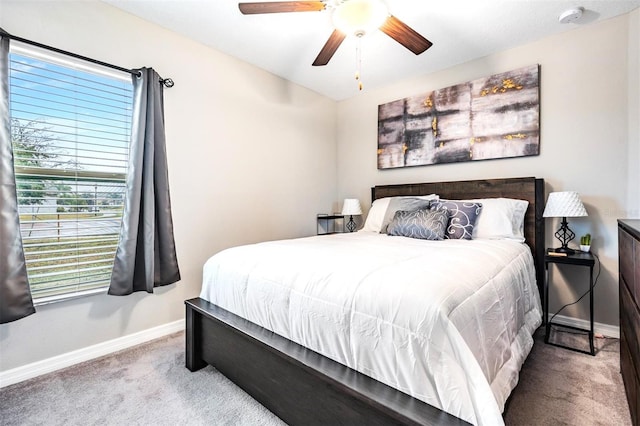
(70, 127)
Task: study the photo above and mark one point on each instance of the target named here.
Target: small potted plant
(585, 243)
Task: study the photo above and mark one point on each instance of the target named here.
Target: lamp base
(566, 250)
(564, 235)
(351, 225)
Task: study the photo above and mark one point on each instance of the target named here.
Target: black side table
(329, 222)
(578, 259)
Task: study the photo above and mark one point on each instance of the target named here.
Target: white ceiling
(287, 43)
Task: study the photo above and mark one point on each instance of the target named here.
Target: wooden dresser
(629, 264)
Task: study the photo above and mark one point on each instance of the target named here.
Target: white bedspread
(448, 322)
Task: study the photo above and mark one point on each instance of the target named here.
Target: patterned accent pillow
(462, 217)
(403, 203)
(378, 212)
(422, 224)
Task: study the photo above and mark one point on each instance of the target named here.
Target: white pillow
(378, 211)
(500, 218)
(376, 215)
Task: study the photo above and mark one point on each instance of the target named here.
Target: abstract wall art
(487, 118)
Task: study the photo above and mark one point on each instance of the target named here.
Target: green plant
(585, 240)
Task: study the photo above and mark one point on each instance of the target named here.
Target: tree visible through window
(70, 131)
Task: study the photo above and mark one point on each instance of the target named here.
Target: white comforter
(448, 322)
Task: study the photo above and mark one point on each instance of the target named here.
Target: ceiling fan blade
(405, 35)
(335, 40)
(280, 6)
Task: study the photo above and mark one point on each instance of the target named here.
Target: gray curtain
(146, 254)
(15, 295)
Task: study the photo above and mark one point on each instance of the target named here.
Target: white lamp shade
(351, 207)
(564, 204)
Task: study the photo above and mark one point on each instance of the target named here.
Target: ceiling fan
(350, 17)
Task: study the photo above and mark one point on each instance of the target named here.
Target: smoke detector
(571, 15)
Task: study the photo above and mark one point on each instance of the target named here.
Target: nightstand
(577, 259)
(326, 224)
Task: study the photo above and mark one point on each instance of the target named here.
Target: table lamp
(564, 204)
(351, 207)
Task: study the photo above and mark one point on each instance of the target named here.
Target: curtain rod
(167, 82)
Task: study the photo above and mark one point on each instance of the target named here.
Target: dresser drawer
(630, 323)
(626, 245)
(636, 268)
(630, 378)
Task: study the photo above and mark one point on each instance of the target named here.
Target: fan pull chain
(359, 61)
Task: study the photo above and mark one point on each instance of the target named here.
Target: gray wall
(244, 148)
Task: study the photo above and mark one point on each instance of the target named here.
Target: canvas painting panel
(487, 118)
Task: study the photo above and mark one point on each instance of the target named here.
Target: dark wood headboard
(529, 188)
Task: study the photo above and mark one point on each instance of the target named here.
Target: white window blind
(70, 128)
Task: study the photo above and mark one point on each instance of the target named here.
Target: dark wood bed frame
(303, 387)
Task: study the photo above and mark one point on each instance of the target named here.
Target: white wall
(584, 141)
(244, 148)
(633, 210)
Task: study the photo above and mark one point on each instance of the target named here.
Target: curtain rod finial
(167, 82)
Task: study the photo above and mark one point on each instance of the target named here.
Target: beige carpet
(148, 385)
(561, 387)
(145, 385)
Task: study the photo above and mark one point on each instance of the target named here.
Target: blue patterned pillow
(422, 224)
(462, 217)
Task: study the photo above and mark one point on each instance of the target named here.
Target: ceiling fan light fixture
(359, 17)
(350, 17)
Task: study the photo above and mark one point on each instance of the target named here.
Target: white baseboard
(49, 365)
(598, 327)
(68, 359)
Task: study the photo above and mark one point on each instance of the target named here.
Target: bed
(305, 377)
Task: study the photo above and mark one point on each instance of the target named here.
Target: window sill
(69, 296)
